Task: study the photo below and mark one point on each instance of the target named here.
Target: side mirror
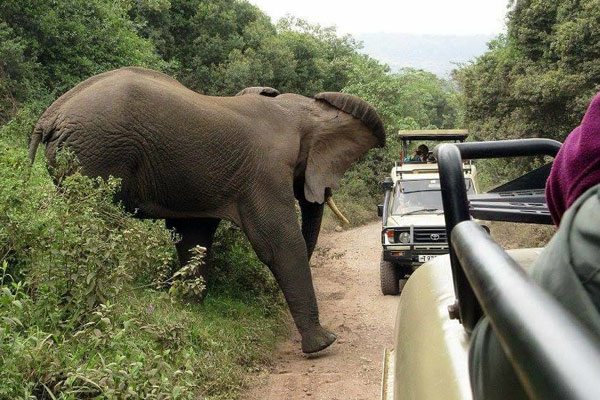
(380, 210)
(387, 184)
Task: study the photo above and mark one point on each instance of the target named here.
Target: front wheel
(390, 281)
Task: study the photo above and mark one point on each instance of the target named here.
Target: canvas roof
(434, 134)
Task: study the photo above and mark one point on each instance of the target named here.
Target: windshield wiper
(420, 210)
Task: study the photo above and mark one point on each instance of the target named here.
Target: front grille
(430, 235)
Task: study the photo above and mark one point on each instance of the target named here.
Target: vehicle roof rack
(535, 179)
(434, 134)
(432, 170)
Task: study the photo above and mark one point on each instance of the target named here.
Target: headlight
(404, 237)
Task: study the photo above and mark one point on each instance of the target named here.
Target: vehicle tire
(390, 282)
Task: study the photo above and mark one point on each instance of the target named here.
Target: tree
(17, 72)
(537, 80)
(50, 46)
(298, 57)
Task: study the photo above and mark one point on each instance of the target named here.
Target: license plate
(425, 258)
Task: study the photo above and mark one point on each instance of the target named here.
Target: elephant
(194, 160)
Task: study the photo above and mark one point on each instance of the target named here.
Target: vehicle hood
(417, 220)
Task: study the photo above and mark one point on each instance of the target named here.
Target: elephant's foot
(316, 339)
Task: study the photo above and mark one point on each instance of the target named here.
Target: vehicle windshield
(421, 196)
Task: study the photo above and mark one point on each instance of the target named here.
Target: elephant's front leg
(277, 239)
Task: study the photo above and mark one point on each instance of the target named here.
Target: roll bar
(530, 324)
(387, 185)
(456, 204)
(509, 148)
(456, 210)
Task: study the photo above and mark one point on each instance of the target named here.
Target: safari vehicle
(445, 297)
(413, 229)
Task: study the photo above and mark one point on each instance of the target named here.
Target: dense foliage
(537, 80)
(409, 99)
(85, 303)
(49, 46)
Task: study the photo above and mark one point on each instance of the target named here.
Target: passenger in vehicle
(419, 155)
(577, 165)
(569, 266)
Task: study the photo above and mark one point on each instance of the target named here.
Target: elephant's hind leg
(193, 232)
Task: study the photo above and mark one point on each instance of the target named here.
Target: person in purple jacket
(576, 167)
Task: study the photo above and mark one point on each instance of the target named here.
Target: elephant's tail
(43, 131)
(34, 142)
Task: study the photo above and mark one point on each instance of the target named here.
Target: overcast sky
(454, 17)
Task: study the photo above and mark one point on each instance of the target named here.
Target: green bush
(74, 247)
(82, 308)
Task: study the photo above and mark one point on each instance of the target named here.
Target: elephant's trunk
(312, 214)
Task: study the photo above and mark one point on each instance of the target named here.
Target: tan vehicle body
(429, 358)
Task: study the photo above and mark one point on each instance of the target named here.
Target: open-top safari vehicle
(413, 229)
(553, 355)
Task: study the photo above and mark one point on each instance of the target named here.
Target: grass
(145, 345)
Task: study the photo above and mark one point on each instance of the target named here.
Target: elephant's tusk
(336, 210)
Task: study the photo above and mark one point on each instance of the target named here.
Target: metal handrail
(456, 205)
(554, 355)
(508, 148)
(456, 209)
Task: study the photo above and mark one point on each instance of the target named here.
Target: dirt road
(346, 277)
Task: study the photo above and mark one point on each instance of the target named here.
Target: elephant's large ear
(263, 91)
(336, 148)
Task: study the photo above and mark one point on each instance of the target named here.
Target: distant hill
(434, 53)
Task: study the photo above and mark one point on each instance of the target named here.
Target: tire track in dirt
(346, 276)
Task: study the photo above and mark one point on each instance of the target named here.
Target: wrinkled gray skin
(194, 160)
